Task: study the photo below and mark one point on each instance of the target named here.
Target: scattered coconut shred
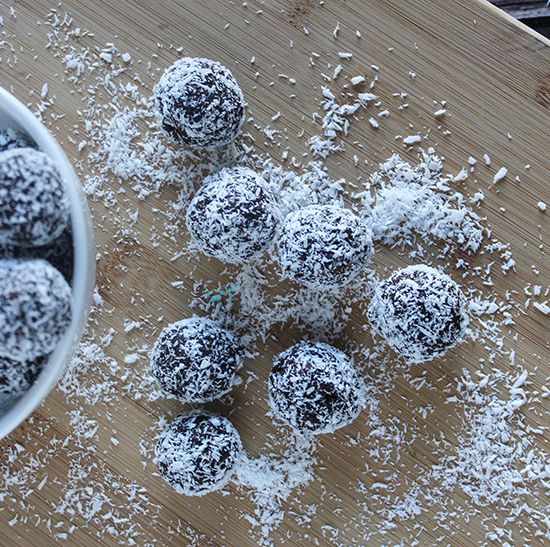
(415, 210)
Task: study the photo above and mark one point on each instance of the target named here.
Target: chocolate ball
(420, 312)
(199, 103)
(59, 253)
(314, 388)
(324, 246)
(35, 308)
(34, 207)
(197, 453)
(234, 216)
(196, 360)
(18, 376)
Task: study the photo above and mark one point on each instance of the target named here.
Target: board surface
(80, 471)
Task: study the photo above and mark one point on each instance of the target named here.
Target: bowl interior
(15, 115)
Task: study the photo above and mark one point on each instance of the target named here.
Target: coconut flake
(501, 173)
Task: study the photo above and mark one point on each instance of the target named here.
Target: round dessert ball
(18, 376)
(314, 388)
(35, 308)
(34, 207)
(196, 360)
(234, 216)
(197, 453)
(420, 311)
(199, 103)
(324, 246)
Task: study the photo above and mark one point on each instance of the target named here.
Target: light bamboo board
(494, 75)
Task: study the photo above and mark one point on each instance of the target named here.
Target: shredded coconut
(406, 205)
(501, 173)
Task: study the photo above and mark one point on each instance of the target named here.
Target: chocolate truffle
(196, 360)
(234, 216)
(199, 103)
(18, 376)
(324, 246)
(197, 453)
(314, 388)
(35, 308)
(420, 311)
(34, 207)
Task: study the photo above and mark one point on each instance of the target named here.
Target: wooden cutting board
(80, 471)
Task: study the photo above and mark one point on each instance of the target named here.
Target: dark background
(534, 14)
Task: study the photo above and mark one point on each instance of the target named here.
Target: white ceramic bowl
(15, 115)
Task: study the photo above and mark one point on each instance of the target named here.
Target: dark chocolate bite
(324, 246)
(199, 103)
(233, 216)
(197, 453)
(196, 360)
(314, 388)
(34, 207)
(18, 376)
(420, 311)
(35, 308)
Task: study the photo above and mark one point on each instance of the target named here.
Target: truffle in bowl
(47, 252)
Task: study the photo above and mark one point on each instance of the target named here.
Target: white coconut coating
(314, 388)
(234, 216)
(197, 453)
(324, 246)
(34, 207)
(18, 376)
(35, 308)
(196, 360)
(199, 103)
(420, 312)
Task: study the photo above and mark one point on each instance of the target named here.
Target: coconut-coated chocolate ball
(59, 253)
(234, 216)
(18, 376)
(420, 312)
(197, 453)
(196, 360)
(324, 246)
(35, 308)
(34, 206)
(199, 103)
(314, 388)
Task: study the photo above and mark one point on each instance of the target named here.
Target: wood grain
(494, 75)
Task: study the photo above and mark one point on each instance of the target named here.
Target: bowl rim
(23, 120)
